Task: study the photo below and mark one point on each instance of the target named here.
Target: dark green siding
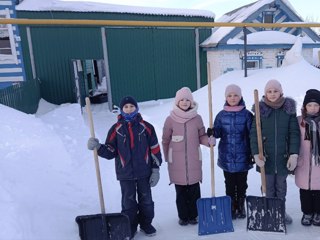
(148, 63)
(131, 63)
(54, 48)
(175, 61)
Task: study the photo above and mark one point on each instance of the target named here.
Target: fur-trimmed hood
(289, 106)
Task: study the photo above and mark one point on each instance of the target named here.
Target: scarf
(233, 109)
(313, 135)
(180, 116)
(128, 117)
(275, 105)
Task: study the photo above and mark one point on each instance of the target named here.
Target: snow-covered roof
(239, 15)
(270, 37)
(92, 6)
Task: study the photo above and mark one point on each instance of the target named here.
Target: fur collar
(289, 107)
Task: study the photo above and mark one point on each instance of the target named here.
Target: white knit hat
(232, 88)
(184, 92)
(273, 84)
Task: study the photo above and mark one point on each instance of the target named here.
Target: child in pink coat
(183, 132)
(307, 172)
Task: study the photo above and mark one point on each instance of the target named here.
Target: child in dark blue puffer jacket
(232, 125)
(134, 145)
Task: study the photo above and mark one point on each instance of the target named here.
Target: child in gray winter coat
(183, 132)
(307, 173)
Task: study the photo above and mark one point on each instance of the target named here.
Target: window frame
(9, 58)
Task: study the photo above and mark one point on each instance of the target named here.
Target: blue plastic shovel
(215, 212)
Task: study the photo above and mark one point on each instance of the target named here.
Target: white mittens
(292, 162)
(258, 161)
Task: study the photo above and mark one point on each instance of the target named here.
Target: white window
(8, 52)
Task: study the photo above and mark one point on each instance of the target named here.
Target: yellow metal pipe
(122, 23)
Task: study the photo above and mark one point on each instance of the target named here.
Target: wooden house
(266, 47)
(11, 60)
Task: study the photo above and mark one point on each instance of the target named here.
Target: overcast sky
(306, 8)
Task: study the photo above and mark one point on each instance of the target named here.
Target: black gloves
(210, 132)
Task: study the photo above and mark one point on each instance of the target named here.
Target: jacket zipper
(275, 141)
(185, 155)
(310, 171)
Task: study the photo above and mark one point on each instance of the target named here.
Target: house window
(253, 64)
(280, 57)
(7, 44)
(268, 17)
(254, 60)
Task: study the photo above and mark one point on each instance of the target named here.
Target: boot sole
(148, 234)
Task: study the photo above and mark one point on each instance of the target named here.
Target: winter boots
(183, 222)
(148, 230)
(310, 219)
(238, 209)
(316, 219)
(234, 206)
(241, 208)
(306, 219)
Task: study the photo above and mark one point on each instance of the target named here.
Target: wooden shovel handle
(211, 125)
(259, 137)
(95, 155)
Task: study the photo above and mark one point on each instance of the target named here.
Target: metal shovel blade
(214, 215)
(265, 214)
(113, 226)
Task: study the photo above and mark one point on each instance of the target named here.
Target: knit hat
(312, 95)
(128, 99)
(232, 88)
(184, 92)
(273, 84)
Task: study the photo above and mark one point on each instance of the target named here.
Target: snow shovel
(113, 226)
(215, 212)
(264, 214)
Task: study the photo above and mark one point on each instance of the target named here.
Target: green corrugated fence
(23, 96)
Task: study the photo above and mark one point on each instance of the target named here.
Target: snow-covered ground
(48, 177)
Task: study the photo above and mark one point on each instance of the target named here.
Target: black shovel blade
(265, 214)
(113, 226)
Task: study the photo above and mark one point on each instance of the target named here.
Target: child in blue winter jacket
(134, 145)
(232, 125)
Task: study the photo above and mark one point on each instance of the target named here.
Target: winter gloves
(154, 178)
(93, 143)
(258, 161)
(292, 162)
(211, 141)
(210, 132)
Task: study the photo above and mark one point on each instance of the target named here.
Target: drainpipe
(197, 57)
(33, 65)
(106, 64)
(245, 51)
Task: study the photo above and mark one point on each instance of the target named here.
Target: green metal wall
(23, 96)
(148, 63)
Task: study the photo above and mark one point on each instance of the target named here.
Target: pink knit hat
(184, 92)
(232, 88)
(273, 84)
